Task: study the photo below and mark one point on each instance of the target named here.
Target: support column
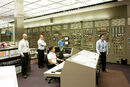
(0, 35)
(128, 33)
(19, 19)
(13, 33)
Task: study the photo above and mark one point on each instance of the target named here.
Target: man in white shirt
(102, 50)
(52, 59)
(23, 48)
(41, 48)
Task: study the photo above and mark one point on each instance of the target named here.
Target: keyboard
(59, 70)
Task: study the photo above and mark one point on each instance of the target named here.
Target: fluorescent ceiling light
(4, 9)
(56, 0)
(83, 0)
(55, 5)
(92, 2)
(32, 6)
(44, 2)
(26, 9)
(39, 10)
(65, 8)
(69, 2)
(10, 6)
(3, 2)
(26, 3)
(77, 5)
(31, 0)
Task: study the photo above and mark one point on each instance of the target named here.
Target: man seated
(52, 59)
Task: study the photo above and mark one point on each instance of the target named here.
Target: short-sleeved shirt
(41, 44)
(23, 46)
(52, 57)
(101, 45)
(61, 43)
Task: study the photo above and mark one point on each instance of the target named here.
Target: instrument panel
(83, 35)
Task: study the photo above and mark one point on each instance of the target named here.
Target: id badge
(103, 50)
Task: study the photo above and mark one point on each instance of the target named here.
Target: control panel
(83, 35)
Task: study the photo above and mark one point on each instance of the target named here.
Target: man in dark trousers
(41, 48)
(24, 50)
(52, 58)
(102, 50)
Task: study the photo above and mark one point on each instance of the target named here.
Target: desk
(10, 56)
(56, 74)
(8, 76)
(78, 70)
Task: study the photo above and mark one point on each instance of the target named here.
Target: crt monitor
(66, 43)
(54, 38)
(57, 49)
(66, 38)
(67, 50)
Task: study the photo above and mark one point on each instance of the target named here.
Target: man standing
(61, 43)
(41, 47)
(102, 49)
(23, 48)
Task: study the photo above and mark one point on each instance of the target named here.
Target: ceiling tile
(78, 5)
(31, 1)
(65, 8)
(56, 0)
(2, 10)
(44, 2)
(55, 5)
(9, 6)
(31, 6)
(69, 2)
(40, 7)
(26, 3)
(3, 2)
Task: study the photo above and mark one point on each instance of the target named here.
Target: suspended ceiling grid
(33, 8)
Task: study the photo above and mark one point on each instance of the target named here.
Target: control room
(64, 43)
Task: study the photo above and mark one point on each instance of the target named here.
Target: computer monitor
(67, 50)
(66, 43)
(54, 38)
(57, 49)
(66, 38)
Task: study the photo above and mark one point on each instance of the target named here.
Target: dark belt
(40, 50)
(102, 52)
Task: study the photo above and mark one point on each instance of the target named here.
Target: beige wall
(108, 13)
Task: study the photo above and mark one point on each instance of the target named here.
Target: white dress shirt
(23, 46)
(41, 44)
(101, 45)
(52, 57)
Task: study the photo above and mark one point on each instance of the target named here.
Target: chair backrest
(47, 62)
(61, 56)
(57, 49)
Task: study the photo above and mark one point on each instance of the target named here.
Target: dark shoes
(41, 67)
(25, 76)
(105, 71)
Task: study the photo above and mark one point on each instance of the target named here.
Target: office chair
(61, 56)
(49, 66)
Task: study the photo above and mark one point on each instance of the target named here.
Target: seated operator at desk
(52, 59)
